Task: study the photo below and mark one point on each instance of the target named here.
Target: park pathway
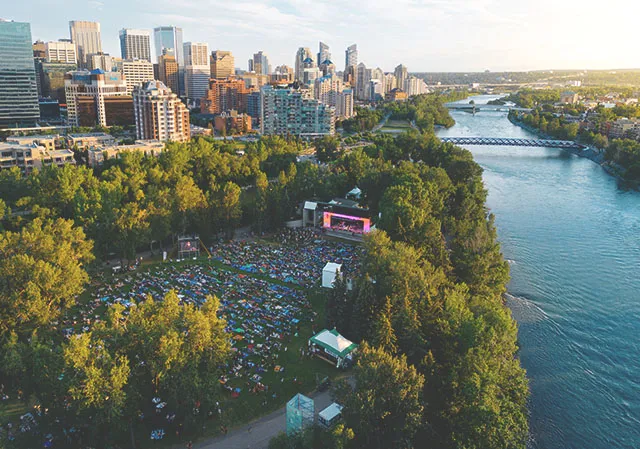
(256, 434)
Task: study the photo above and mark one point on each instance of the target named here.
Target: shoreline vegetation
(426, 305)
(588, 152)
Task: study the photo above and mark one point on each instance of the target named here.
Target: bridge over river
(485, 107)
(509, 141)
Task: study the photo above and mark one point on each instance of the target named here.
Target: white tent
(329, 273)
(330, 414)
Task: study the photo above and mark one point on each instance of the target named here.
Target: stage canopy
(334, 343)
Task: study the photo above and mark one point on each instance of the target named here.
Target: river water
(572, 238)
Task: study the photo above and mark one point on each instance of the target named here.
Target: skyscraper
(401, 74)
(350, 57)
(222, 64)
(323, 53)
(135, 44)
(170, 38)
(18, 87)
(197, 69)
(86, 37)
(363, 77)
(302, 54)
(168, 71)
(159, 113)
(261, 63)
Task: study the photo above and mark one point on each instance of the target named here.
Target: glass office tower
(170, 38)
(18, 87)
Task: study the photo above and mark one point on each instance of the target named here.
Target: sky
(424, 35)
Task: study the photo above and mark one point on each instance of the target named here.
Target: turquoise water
(572, 238)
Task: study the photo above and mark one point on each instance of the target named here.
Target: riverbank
(593, 154)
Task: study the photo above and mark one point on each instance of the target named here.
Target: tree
(230, 207)
(384, 408)
(384, 337)
(41, 273)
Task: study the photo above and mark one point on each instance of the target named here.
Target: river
(572, 238)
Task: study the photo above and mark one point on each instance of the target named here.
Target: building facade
(261, 63)
(323, 53)
(135, 44)
(86, 37)
(401, 74)
(225, 95)
(168, 72)
(30, 155)
(136, 73)
(168, 40)
(87, 93)
(159, 114)
(18, 84)
(53, 80)
(197, 70)
(350, 57)
(222, 64)
(285, 111)
(61, 51)
(302, 54)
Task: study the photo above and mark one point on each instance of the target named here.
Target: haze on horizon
(425, 35)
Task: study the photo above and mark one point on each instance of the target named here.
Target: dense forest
(439, 346)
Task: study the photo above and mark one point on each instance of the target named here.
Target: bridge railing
(509, 141)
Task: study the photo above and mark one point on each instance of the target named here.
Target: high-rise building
(285, 111)
(222, 64)
(136, 72)
(389, 82)
(61, 51)
(326, 89)
(86, 37)
(351, 57)
(159, 114)
(261, 63)
(344, 104)
(18, 85)
(401, 74)
(323, 53)
(197, 70)
(225, 95)
(97, 98)
(378, 91)
(363, 76)
(135, 44)
(168, 71)
(302, 54)
(170, 38)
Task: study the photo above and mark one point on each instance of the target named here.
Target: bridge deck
(507, 141)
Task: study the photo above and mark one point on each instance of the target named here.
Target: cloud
(95, 4)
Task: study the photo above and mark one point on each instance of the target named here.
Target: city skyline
(471, 36)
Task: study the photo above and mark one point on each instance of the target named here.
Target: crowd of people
(299, 260)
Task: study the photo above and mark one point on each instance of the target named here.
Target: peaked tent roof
(334, 342)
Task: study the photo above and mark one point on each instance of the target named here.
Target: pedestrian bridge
(485, 107)
(507, 141)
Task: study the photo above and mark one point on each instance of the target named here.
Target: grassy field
(300, 375)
